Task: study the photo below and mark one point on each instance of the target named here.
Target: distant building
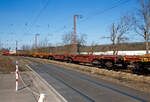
(11, 51)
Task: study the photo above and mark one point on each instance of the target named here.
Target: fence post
(41, 97)
(17, 76)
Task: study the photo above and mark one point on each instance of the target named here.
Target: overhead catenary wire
(37, 17)
(29, 25)
(117, 4)
(41, 11)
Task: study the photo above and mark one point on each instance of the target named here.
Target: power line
(41, 11)
(119, 3)
(28, 27)
(37, 17)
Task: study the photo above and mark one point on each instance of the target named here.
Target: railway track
(118, 69)
(111, 62)
(77, 87)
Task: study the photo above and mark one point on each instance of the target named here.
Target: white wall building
(11, 51)
(140, 52)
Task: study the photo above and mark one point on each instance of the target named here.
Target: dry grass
(6, 65)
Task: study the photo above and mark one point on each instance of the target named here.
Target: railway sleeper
(96, 62)
(69, 60)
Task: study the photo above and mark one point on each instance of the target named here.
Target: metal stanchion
(17, 76)
(41, 97)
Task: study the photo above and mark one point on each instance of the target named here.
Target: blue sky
(22, 19)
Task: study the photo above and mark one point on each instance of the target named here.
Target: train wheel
(109, 65)
(138, 68)
(95, 63)
(51, 58)
(124, 65)
(69, 60)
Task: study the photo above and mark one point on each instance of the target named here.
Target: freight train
(140, 64)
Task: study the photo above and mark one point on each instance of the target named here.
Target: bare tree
(43, 43)
(92, 48)
(26, 47)
(81, 41)
(143, 25)
(67, 40)
(118, 31)
(1, 45)
(113, 37)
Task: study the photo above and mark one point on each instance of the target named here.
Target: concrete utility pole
(36, 42)
(1, 45)
(75, 36)
(16, 46)
(7, 44)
